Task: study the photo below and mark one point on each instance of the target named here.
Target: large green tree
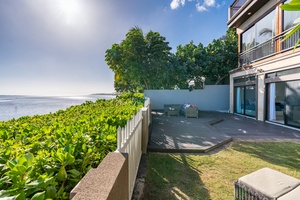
(193, 59)
(223, 56)
(141, 61)
(145, 62)
(211, 63)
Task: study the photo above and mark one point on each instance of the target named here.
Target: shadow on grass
(285, 154)
(169, 176)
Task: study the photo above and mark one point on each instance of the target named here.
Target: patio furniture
(294, 194)
(191, 112)
(172, 109)
(266, 184)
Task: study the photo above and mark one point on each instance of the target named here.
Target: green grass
(192, 176)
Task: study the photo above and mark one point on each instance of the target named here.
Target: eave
(248, 9)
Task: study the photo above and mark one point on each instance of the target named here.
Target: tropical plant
(194, 59)
(44, 157)
(211, 63)
(140, 62)
(223, 57)
(294, 5)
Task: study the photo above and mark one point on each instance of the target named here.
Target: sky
(57, 47)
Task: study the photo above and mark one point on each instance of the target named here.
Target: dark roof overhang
(244, 12)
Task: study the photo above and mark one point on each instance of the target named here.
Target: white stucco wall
(211, 98)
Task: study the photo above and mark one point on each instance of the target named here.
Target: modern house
(266, 83)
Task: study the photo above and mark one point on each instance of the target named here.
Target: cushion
(294, 194)
(271, 183)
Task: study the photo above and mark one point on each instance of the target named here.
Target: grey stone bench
(267, 184)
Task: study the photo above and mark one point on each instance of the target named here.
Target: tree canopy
(145, 62)
(140, 61)
(223, 57)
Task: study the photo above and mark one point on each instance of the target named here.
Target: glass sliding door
(239, 100)
(250, 100)
(245, 100)
(276, 102)
(293, 103)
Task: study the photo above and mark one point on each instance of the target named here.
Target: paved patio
(210, 131)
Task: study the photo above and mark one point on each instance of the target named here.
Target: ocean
(17, 106)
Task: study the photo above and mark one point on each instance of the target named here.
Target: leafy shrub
(44, 157)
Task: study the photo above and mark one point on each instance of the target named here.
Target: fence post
(145, 130)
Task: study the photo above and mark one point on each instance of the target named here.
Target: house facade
(266, 83)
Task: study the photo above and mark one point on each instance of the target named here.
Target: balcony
(241, 10)
(237, 4)
(268, 48)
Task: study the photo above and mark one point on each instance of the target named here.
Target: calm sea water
(18, 106)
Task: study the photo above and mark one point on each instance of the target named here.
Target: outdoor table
(264, 184)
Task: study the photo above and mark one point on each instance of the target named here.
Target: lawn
(195, 176)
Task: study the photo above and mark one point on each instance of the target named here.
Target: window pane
(250, 100)
(239, 100)
(265, 28)
(289, 18)
(248, 39)
(293, 103)
(276, 102)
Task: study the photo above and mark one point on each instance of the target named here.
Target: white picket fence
(130, 141)
(147, 105)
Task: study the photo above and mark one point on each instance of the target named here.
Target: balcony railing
(235, 7)
(268, 48)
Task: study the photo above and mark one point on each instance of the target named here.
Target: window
(265, 28)
(260, 32)
(289, 18)
(276, 102)
(248, 39)
(289, 21)
(283, 73)
(293, 103)
(245, 100)
(283, 97)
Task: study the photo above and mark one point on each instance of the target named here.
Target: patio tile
(180, 134)
(211, 130)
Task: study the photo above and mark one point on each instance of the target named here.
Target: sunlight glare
(70, 10)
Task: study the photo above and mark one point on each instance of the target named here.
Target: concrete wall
(108, 181)
(211, 98)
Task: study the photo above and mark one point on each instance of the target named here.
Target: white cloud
(200, 8)
(176, 4)
(201, 5)
(210, 3)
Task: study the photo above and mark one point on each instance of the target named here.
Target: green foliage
(223, 56)
(212, 62)
(140, 62)
(145, 62)
(44, 157)
(194, 59)
(294, 5)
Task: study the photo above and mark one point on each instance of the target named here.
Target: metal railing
(235, 7)
(291, 41)
(257, 52)
(268, 48)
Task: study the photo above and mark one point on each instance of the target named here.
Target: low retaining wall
(108, 181)
(211, 98)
